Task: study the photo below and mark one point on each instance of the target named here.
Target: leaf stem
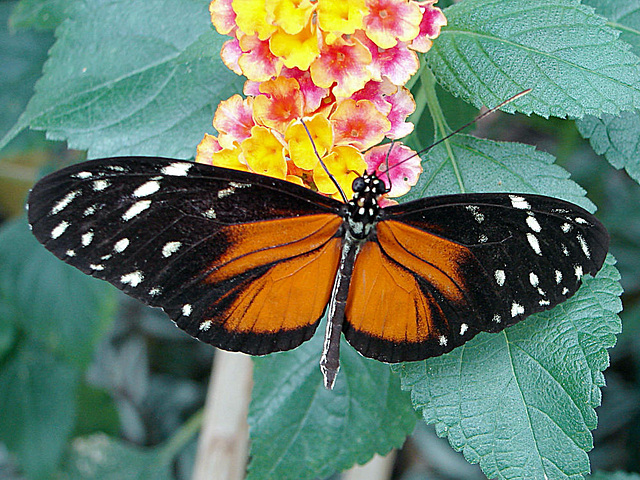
(179, 439)
(439, 122)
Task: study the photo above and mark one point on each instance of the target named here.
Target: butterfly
(251, 263)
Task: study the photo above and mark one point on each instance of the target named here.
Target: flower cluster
(325, 81)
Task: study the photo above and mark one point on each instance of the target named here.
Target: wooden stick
(224, 438)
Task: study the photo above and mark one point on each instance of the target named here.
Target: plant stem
(441, 127)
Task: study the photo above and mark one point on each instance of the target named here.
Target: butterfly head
(363, 207)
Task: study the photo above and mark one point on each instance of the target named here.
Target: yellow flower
(300, 147)
(264, 153)
(346, 164)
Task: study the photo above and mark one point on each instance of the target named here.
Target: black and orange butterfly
(249, 263)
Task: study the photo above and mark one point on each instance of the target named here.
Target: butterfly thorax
(363, 208)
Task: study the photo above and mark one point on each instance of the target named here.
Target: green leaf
(22, 55)
(38, 408)
(616, 137)
(480, 165)
(99, 457)
(623, 15)
(132, 77)
(62, 308)
(575, 64)
(299, 430)
(521, 402)
(39, 14)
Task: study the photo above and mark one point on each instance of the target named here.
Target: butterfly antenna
(315, 150)
(459, 129)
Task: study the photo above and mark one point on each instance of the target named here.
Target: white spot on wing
(136, 209)
(89, 211)
(225, 192)
(581, 221)
(533, 279)
(578, 271)
(178, 169)
(211, 213)
(83, 175)
(500, 277)
(544, 303)
(519, 202)
(146, 189)
(134, 278)
(87, 238)
(533, 241)
(558, 277)
(565, 250)
(62, 204)
(155, 291)
(566, 228)
(170, 248)
(186, 309)
(533, 223)
(443, 340)
(59, 230)
(475, 211)
(516, 309)
(97, 268)
(239, 185)
(70, 253)
(100, 185)
(483, 238)
(584, 246)
(565, 290)
(206, 325)
(121, 245)
(463, 328)
(497, 318)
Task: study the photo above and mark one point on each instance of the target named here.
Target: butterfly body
(250, 263)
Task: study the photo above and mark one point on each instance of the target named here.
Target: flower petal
(223, 17)
(402, 105)
(390, 21)
(298, 50)
(345, 164)
(300, 144)
(343, 63)
(341, 17)
(233, 120)
(432, 20)
(290, 15)
(264, 153)
(251, 18)
(358, 123)
(257, 62)
(279, 103)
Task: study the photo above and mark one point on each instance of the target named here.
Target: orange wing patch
(252, 245)
(404, 287)
(385, 300)
(291, 295)
(433, 258)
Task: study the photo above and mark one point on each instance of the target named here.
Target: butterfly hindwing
(462, 264)
(215, 248)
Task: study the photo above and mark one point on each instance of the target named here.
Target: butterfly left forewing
(214, 247)
(480, 262)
